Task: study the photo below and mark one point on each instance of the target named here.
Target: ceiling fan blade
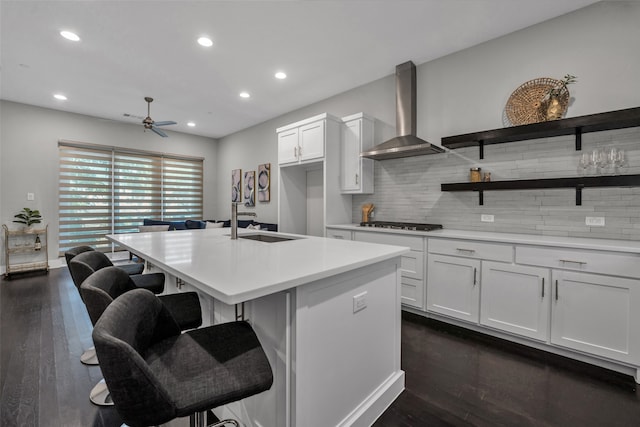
(159, 132)
(165, 123)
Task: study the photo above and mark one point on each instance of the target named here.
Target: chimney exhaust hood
(406, 144)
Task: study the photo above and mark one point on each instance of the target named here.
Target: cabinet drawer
(333, 233)
(412, 265)
(412, 293)
(613, 263)
(472, 249)
(413, 242)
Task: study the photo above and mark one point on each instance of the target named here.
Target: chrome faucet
(234, 219)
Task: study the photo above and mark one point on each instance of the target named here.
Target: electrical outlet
(486, 218)
(31, 196)
(360, 302)
(595, 221)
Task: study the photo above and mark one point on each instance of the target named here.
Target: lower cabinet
(412, 264)
(453, 286)
(596, 314)
(515, 299)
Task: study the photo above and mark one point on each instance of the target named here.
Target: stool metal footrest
(89, 357)
(100, 394)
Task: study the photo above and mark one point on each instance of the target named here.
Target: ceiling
(132, 49)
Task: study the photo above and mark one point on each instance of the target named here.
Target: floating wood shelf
(536, 184)
(577, 126)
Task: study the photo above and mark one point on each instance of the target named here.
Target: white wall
(29, 156)
(466, 92)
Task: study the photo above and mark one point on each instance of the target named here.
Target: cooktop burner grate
(401, 225)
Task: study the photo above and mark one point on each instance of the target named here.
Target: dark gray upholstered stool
(130, 268)
(85, 264)
(88, 357)
(102, 287)
(156, 374)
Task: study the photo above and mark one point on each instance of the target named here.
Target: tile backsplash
(409, 189)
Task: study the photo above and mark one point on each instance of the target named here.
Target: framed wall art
(249, 187)
(236, 185)
(264, 182)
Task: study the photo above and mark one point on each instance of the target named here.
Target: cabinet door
(311, 141)
(453, 286)
(515, 299)
(596, 314)
(288, 146)
(351, 178)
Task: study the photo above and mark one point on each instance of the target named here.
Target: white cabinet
(309, 194)
(302, 141)
(515, 299)
(596, 314)
(453, 286)
(288, 146)
(356, 173)
(412, 277)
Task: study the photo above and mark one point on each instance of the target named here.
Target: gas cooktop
(401, 225)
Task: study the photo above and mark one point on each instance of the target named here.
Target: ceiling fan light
(205, 41)
(70, 36)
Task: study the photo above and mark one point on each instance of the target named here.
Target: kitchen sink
(265, 238)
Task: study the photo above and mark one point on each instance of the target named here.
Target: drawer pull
(470, 251)
(543, 287)
(564, 261)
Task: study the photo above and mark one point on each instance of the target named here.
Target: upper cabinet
(356, 173)
(303, 141)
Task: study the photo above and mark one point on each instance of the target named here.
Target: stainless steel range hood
(406, 144)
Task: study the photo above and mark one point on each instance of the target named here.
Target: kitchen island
(327, 313)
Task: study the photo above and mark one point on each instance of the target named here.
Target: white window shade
(110, 190)
(85, 197)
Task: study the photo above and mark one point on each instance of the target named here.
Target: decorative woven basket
(526, 105)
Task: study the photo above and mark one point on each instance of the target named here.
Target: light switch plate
(360, 302)
(31, 196)
(595, 221)
(486, 218)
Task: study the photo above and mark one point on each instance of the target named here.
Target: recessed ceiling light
(244, 95)
(60, 96)
(191, 124)
(205, 41)
(280, 75)
(70, 36)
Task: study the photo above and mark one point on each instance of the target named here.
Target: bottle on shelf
(38, 245)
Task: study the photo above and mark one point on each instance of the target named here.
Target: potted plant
(552, 100)
(28, 217)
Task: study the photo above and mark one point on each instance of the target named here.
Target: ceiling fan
(150, 124)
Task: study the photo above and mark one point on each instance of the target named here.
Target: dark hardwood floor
(452, 379)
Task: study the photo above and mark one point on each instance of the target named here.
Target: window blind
(85, 197)
(108, 191)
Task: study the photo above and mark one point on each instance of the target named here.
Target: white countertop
(234, 271)
(526, 239)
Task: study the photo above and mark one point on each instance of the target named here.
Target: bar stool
(87, 263)
(88, 357)
(156, 374)
(102, 287)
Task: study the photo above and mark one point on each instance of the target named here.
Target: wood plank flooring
(452, 379)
